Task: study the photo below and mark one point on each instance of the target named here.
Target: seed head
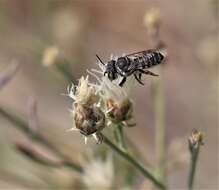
(119, 112)
(196, 139)
(88, 118)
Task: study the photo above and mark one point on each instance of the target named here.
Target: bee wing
(140, 53)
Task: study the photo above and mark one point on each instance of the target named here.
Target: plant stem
(132, 161)
(64, 69)
(21, 125)
(119, 136)
(194, 159)
(160, 135)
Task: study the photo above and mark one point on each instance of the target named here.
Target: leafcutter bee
(136, 63)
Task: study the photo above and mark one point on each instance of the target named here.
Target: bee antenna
(100, 59)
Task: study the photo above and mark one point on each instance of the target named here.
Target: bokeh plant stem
(65, 70)
(195, 141)
(23, 126)
(153, 24)
(160, 135)
(132, 161)
(193, 163)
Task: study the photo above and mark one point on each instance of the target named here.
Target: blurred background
(77, 30)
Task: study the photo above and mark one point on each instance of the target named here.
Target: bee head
(111, 70)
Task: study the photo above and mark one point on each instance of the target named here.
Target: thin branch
(160, 129)
(132, 161)
(7, 74)
(21, 125)
(194, 158)
(153, 24)
(119, 136)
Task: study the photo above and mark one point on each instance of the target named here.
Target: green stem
(64, 69)
(194, 159)
(21, 125)
(160, 131)
(132, 161)
(119, 136)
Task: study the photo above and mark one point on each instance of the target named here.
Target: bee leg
(138, 79)
(122, 81)
(147, 72)
(139, 75)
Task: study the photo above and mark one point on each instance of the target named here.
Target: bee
(132, 64)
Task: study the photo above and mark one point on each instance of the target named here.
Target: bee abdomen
(152, 59)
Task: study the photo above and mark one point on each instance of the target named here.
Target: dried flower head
(119, 112)
(152, 18)
(50, 56)
(88, 118)
(83, 93)
(196, 139)
(97, 104)
(89, 121)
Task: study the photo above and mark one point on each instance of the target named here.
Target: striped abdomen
(151, 59)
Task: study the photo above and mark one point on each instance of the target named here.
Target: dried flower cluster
(99, 105)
